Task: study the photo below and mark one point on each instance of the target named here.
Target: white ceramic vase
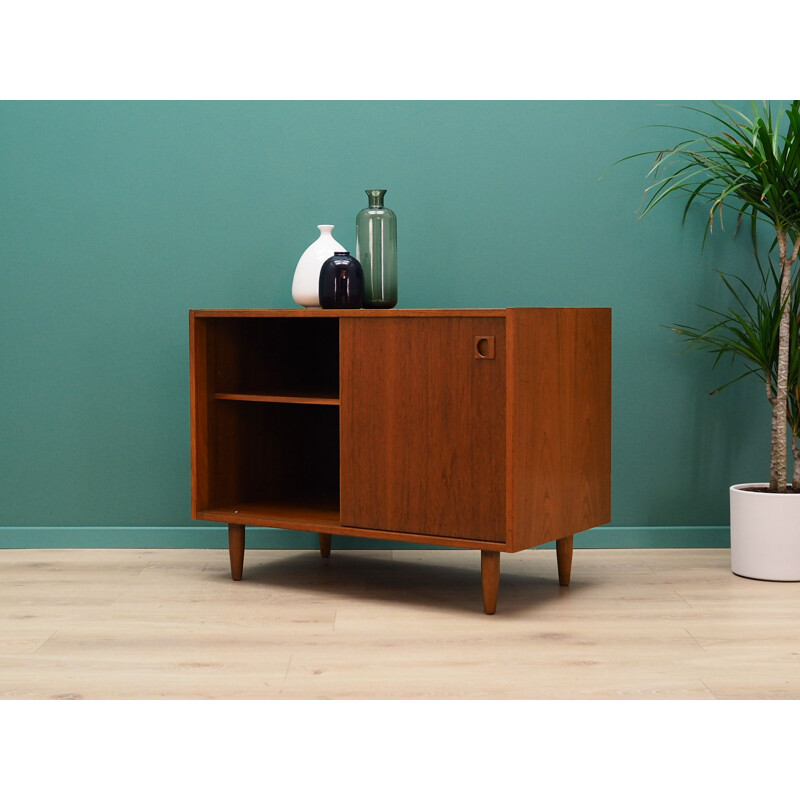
(765, 534)
(305, 286)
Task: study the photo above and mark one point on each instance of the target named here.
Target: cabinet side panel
(199, 410)
(561, 423)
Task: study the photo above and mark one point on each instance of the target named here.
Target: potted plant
(765, 534)
(752, 165)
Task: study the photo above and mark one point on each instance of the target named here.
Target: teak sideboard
(484, 429)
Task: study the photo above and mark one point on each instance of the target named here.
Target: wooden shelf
(278, 398)
(294, 513)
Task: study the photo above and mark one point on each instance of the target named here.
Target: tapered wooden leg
(564, 558)
(490, 579)
(236, 550)
(325, 544)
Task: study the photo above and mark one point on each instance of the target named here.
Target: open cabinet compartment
(275, 459)
(267, 411)
(276, 357)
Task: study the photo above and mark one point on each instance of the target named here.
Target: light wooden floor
(634, 624)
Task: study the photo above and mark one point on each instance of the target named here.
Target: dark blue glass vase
(341, 282)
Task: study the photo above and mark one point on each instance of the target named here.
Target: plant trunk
(796, 473)
(778, 462)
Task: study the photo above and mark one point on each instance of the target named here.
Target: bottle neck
(376, 197)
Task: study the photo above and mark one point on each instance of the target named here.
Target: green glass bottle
(376, 251)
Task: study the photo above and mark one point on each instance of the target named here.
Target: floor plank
(403, 624)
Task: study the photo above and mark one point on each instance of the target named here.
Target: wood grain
(560, 429)
(359, 313)
(275, 398)
(318, 519)
(490, 579)
(424, 425)
(236, 537)
(564, 559)
(199, 412)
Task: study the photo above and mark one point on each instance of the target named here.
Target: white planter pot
(765, 534)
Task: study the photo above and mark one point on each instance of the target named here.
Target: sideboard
(483, 429)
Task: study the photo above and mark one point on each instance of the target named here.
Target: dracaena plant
(751, 166)
(748, 332)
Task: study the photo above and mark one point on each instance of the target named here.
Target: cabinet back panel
(275, 453)
(276, 356)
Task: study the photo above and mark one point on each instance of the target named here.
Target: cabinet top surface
(360, 312)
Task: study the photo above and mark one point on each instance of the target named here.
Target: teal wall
(116, 218)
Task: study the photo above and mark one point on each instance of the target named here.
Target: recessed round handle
(484, 347)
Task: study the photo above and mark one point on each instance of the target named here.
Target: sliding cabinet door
(423, 425)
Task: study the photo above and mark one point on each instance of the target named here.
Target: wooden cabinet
(485, 429)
